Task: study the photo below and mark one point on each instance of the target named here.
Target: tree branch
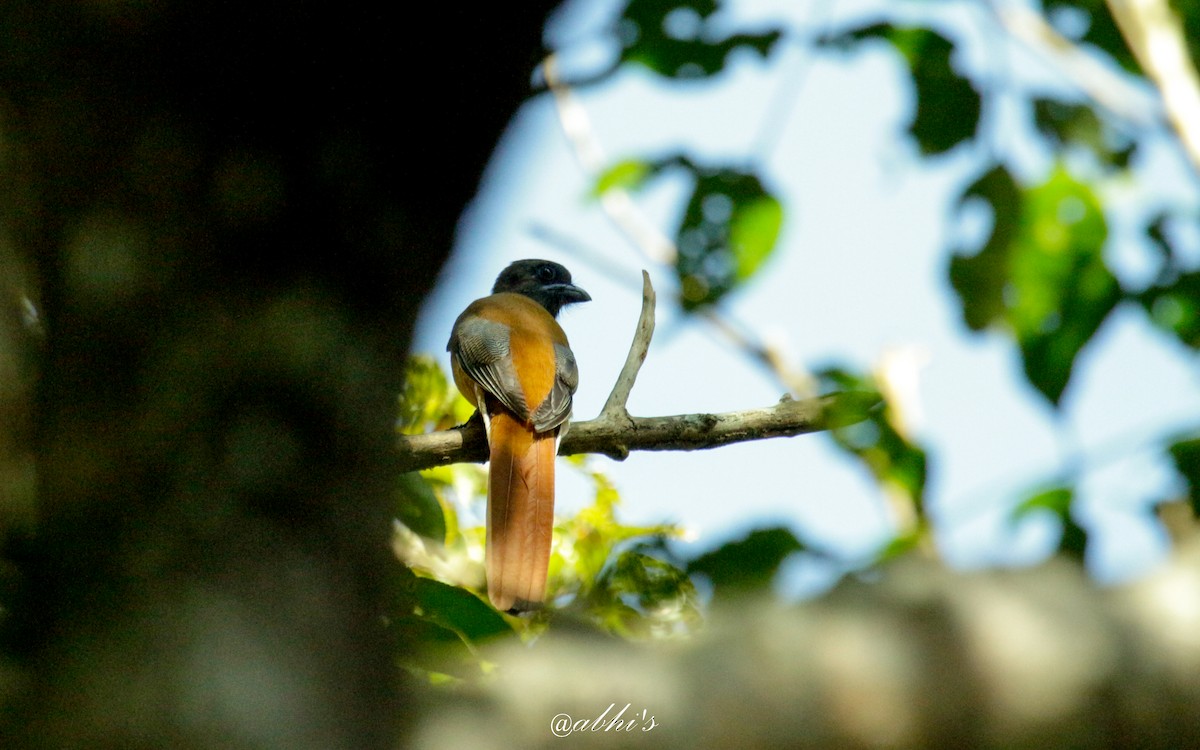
(615, 433)
(614, 407)
(682, 432)
(1109, 89)
(618, 205)
(1155, 35)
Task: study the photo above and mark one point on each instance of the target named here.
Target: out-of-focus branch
(1103, 85)
(1155, 36)
(620, 208)
(618, 205)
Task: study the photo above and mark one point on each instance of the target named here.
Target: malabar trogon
(511, 359)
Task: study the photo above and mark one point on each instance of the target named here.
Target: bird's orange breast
(533, 332)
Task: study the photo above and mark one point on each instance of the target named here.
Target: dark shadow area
(217, 224)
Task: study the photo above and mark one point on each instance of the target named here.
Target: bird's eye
(545, 274)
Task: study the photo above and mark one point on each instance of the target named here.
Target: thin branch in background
(797, 381)
(617, 203)
(787, 93)
(1108, 88)
(598, 261)
(1155, 36)
(998, 43)
(653, 245)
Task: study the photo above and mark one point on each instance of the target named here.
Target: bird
(511, 359)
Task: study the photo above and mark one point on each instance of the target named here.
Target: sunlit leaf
(753, 230)
(428, 401)
(897, 463)
(1047, 280)
(627, 174)
(639, 595)
(730, 228)
(1061, 290)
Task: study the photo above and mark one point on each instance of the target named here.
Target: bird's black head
(544, 281)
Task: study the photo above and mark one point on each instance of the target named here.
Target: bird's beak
(570, 293)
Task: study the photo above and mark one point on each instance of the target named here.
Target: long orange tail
(520, 519)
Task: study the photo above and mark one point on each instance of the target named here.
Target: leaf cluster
(1041, 275)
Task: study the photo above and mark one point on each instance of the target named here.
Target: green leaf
(980, 280)
(673, 38)
(418, 507)
(1057, 502)
(753, 230)
(427, 401)
(1175, 307)
(617, 583)
(627, 174)
(895, 461)
(647, 582)
(1173, 301)
(1047, 280)
(747, 563)
(1067, 123)
(1186, 454)
(1061, 290)
(729, 230)
(947, 105)
(459, 611)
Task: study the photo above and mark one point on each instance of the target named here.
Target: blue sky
(859, 270)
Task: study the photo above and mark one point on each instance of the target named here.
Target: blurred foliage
(749, 563)
(947, 104)
(729, 228)
(429, 402)
(1057, 503)
(1041, 272)
(896, 462)
(1099, 28)
(1030, 266)
(1067, 125)
(1186, 455)
(677, 39)
(617, 578)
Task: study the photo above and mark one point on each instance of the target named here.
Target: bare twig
(614, 407)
